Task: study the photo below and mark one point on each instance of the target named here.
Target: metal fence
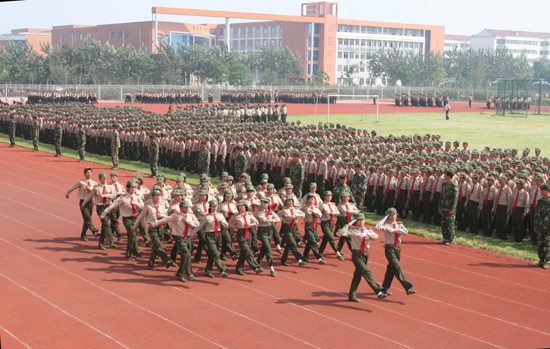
(118, 92)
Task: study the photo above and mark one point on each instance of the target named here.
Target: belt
(391, 245)
(359, 251)
(266, 227)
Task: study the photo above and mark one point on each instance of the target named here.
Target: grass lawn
(478, 129)
(133, 166)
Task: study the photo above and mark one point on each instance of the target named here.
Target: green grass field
(480, 130)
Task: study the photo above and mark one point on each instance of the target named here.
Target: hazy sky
(465, 17)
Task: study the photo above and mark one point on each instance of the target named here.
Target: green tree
(348, 73)
(320, 77)
(405, 74)
(438, 74)
(239, 75)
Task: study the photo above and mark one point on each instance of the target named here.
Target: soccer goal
(517, 97)
(332, 98)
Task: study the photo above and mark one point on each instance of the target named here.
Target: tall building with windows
(460, 42)
(323, 40)
(34, 36)
(535, 45)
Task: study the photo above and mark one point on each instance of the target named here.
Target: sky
(464, 17)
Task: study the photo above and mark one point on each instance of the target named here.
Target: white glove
(384, 219)
(352, 222)
(364, 234)
(391, 230)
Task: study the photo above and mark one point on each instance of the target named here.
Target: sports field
(59, 291)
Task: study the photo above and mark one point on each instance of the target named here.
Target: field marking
(146, 276)
(15, 337)
(63, 310)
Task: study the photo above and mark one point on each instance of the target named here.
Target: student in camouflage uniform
(35, 133)
(447, 207)
(115, 145)
(153, 155)
(57, 138)
(297, 174)
(203, 159)
(81, 143)
(359, 185)
(241, 164)
(11, 131)
(542, 227)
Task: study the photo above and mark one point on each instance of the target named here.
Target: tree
(239, 74)
(320, 77)
(405, 74)
(479, 74)
(438, 74)
(348, 73)
(218, 71)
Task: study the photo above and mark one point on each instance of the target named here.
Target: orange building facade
(323, 40)
(34, 36)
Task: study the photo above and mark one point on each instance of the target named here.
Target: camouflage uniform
(240, 165)
(57, 137)
(81, 143)
(297, 177)
(542, 226)
(11, 132)
(448, 202)
(359, 188)
(36, 134)
(339, 189)
(203, 161)
(153, 157)
(115, 144)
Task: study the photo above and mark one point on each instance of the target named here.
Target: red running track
(56, 288)
(342, 107)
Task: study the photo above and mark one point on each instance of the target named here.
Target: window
(273, 42)
(250, 43)
(339, 68)
(346, 42)
(127, 34)
(346, 67)
(356, 55)
(236, 31)
(315, 28)
(258, 43)
(315, 55)
(220, 32)
(352, 42)
(340, 54)
(113, 35)
(315, 42)
(363, 42)
(220, 43)
(361, 81)
(280, 42)
(362, 69)
(363, 56)
(258, 30)
(120, 35)
(250, 31)
(346, 55)
(273, 30)
(80, 37)
(264, 42)
(264, 30)
(74, 37)
(212, 31)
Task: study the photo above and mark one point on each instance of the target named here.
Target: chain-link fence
(519, 97)
(118, 92)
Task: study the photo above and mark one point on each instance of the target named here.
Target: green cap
(178, 192)
(250, 188)
(545, 187)
(203, 192)
(313, 185)
(103, 175)
(242, 203)
(328, 192)
(114, 173)
(360, 216)
(228, 193)
(289, 186)
(265, 199)
(156, 192)
(213, 202)
(185, 203)
(290, 197)
(131, 183)
(391, 210)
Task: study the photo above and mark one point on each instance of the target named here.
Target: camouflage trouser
(448, 225)
(35, 142)
(12, 139)
(297, 189)
(58, 148)
(153, 163)
(82, 152)
(114, 156)
(543, 247)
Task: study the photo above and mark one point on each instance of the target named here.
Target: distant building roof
(500, 32)
(457, 37)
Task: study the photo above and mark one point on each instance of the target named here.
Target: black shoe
(411, 291)
(129, 258)
(119, 238)
(234, 257)
(223, 257)
(353, 299)
(83, 238)
(96, 233)
(388, 293)
(382, 295)
(139, 256)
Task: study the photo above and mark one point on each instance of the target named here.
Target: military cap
(502, 178)
(270, 186)
(131, 183)
(180, 179)
(342, 176)
(225, 174)
(242, 203)
(286, 180)
(391, 210)
(345, 193)
(103, 175)
(328, 192)
(290, 197)
(265, 199)
(185, 203)
(229, 178)
(156, 192)
(265, 176)
(224, 185)
(263, 181)
(139, 178)
(203, 192)
(545, 187)
(521, 181)
(213, 203)
(240, 147)
(313, 185)
(160, 179)
(450, 171)
(360, 216)
(206, 179)
(289, 186)
(250, 188)
(114, 173)
(228, 193)
(178, 192)
(310, 195)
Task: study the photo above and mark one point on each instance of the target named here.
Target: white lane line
(488, 261)
(149, 277)
(397, 313)
(38, 194)
(32, 180)
(63, 311)
(321, 314)
(15, 337)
